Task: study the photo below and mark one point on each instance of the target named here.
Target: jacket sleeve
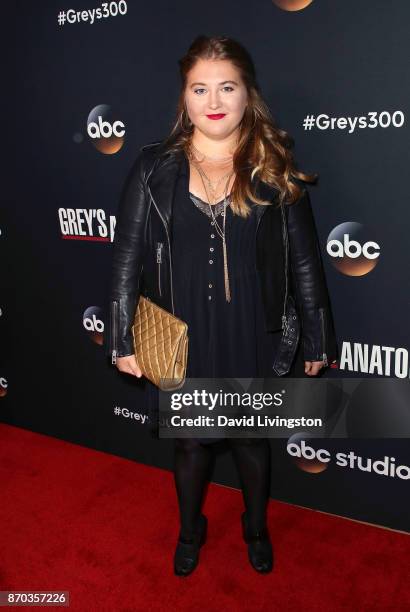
(127, 258)
(318, 334)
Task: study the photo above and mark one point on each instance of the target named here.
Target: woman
(200, 233)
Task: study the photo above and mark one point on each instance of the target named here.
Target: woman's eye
(227, 87)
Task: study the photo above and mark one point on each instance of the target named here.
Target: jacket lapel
(162, 183)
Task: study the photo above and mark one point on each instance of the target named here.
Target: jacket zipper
(114, 306)
(322, 323)
(167, 233)
(159, 262)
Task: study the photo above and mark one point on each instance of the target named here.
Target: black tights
(193, 461)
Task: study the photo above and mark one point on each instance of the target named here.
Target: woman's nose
(214, 101)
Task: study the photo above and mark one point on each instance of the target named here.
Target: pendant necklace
(221, 231)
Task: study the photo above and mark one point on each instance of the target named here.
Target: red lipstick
(216, 116)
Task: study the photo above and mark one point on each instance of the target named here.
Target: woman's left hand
(312, 367)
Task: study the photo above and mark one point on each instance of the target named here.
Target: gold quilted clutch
(160, 345)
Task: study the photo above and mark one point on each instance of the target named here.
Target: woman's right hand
(129, 365)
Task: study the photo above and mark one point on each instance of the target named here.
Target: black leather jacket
(142, 262)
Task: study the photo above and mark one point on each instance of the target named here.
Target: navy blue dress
(226, 339)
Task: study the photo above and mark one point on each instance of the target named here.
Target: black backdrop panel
(335, 59)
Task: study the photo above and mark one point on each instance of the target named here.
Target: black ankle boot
(187, 551)
(260, 552)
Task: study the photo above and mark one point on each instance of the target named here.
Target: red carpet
(104, 529)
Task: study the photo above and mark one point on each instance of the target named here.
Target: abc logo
(292, 5)
(93, 323)
(3, 386)
(105, 131)
(305, 456)
(350, 250)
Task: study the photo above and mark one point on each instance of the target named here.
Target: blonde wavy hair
(263, 151)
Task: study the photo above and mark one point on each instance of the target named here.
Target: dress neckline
(206, 203)
(204, 206)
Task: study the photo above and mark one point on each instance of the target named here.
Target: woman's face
(215, 87)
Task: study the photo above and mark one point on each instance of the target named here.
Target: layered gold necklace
(211, 190)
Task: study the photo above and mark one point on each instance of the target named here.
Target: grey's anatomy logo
(105, 130)
(86, 224)
(374, 359)
(351, 250)
(93, 324)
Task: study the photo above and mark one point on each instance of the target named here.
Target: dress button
(210, 285)
(211, 249)
(212, 235)
(209, 297)
(211, 261)
(212, 222)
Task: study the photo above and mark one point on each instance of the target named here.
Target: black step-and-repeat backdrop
(97, 81)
